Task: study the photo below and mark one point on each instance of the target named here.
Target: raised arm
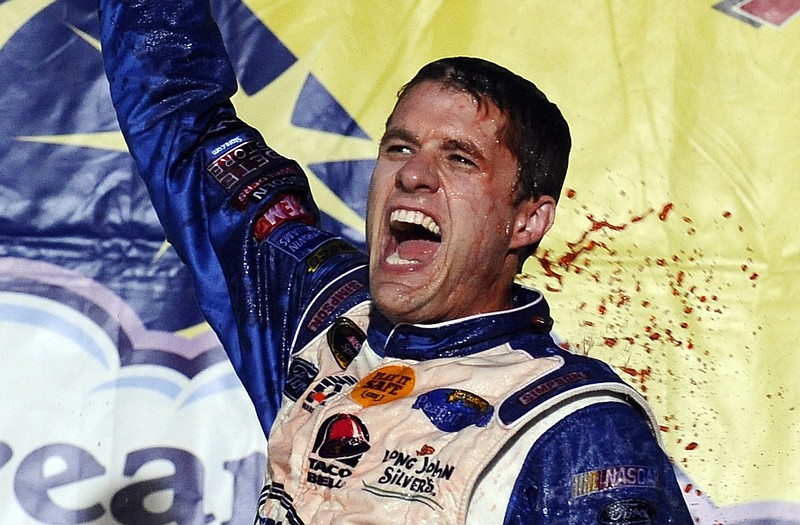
(229, 203)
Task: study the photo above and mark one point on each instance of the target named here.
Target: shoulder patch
(570, 376)
(615, 477)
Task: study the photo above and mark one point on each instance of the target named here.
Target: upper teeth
(416, 217)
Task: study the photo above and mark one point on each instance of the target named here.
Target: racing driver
(419, 384)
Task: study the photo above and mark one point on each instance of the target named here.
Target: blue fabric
(606, 437)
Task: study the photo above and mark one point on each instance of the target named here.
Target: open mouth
(416, 237)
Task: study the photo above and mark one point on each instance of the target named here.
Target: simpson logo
(330, 304)
(524, 400)
(325, 389)
(236, 164)
(613, 478)
(288, 208)
(384, 385)
(628, 512)
(451, 410)
(299, 377)
(530, 396)
(345, 339)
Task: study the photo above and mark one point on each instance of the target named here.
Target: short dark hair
(536, 132)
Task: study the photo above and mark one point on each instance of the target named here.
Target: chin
(397, 306)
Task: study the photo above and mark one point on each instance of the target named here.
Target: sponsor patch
(384, 385)
(342, 437)
(286, 208)
(345, 339)
(301, 374)
(525, 399)
(298, 242)
(327, 388)
(411, 477)
(613, 478)
(628, 512)
(262, 188)
(451, 410)
(341, 441)
(326, 251)
(330, 304)
(237, 159)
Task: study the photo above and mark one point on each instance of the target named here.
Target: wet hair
(536, 132)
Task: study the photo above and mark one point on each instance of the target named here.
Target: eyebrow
(405, 135)
(398, 134)
(467, 146)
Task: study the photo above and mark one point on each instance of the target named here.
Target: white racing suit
(481, 420)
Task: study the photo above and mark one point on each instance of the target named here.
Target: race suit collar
(463, 336)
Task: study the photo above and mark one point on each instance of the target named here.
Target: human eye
(463, 155)
(397, 148)
(462, 160)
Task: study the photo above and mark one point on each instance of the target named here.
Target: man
(419, 387)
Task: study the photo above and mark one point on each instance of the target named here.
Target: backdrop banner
(674, 257)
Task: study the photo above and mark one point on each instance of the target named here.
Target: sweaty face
(441, 221)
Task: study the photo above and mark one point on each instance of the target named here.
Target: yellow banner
(675, 252)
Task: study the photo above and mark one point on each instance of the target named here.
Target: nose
(418, 174)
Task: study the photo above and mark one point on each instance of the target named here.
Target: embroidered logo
(341, 441)
(235, 164)
(384, 385)
(451, 410)
(612, 478)
(286, 208)
(262, 187)
(299, 377)
(410, 477)
(334, 300)
(345, 339)
(521, 402)
(325, 252)
(326, 389)
(628, 512)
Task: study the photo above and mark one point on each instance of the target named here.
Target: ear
(534, 219)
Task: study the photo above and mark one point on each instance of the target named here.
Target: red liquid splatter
(665, 211)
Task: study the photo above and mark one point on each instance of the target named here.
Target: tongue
(417, 249)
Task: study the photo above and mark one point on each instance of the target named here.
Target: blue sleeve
(239, 214)
(600, 465)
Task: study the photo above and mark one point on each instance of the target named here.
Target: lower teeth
(395, 258)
